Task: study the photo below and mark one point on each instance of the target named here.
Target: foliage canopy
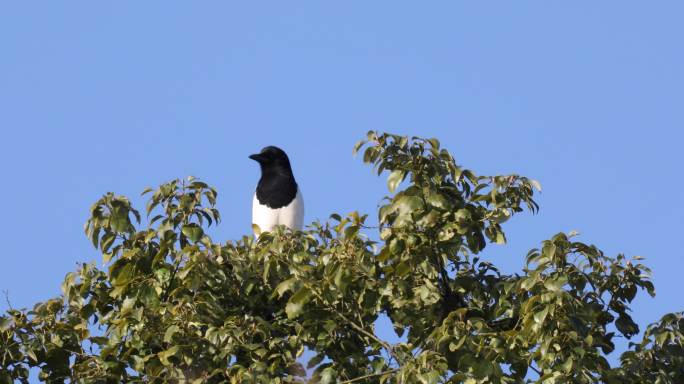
(172, 305)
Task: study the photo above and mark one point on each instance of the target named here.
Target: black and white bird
(277, 200)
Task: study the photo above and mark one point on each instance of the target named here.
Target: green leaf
(396, 246)
(402, 269)
(328, 376)
(556, 284)
(32, 354)
(527, 283)
(549, 251)
(436, 199)
(626, 325)
(193, 232)
(540, 316)
(5, 377)
(314, 361)
(296, 303)
(358, 146)
(148, 296)
(408, 203)
(256, 229)
(95, 236)
(463, 215)
(405, 206)
(119, 220)
(342, 279)
(500, 238)
(121, 273)
(285, 286)
(457, 345)
(198, 185)
(107, 241)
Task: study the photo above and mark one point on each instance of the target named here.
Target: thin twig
(385, 345)
(7, 300)
(369, 376)
(536, 370)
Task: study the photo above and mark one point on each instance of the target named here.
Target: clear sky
(586, 97)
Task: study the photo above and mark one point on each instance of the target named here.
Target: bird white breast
(291, 215)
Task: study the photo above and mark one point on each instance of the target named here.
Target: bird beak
(256, 157)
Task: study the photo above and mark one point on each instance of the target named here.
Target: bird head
(272, 158)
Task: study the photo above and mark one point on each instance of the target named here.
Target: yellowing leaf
(164, 355)
(394, 179)
(170, 331)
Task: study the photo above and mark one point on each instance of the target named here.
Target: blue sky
(585, 97)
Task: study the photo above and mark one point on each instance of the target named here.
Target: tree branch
(359, 328)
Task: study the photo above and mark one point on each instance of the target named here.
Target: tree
(172, 305)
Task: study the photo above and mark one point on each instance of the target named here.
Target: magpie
(277, 200)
